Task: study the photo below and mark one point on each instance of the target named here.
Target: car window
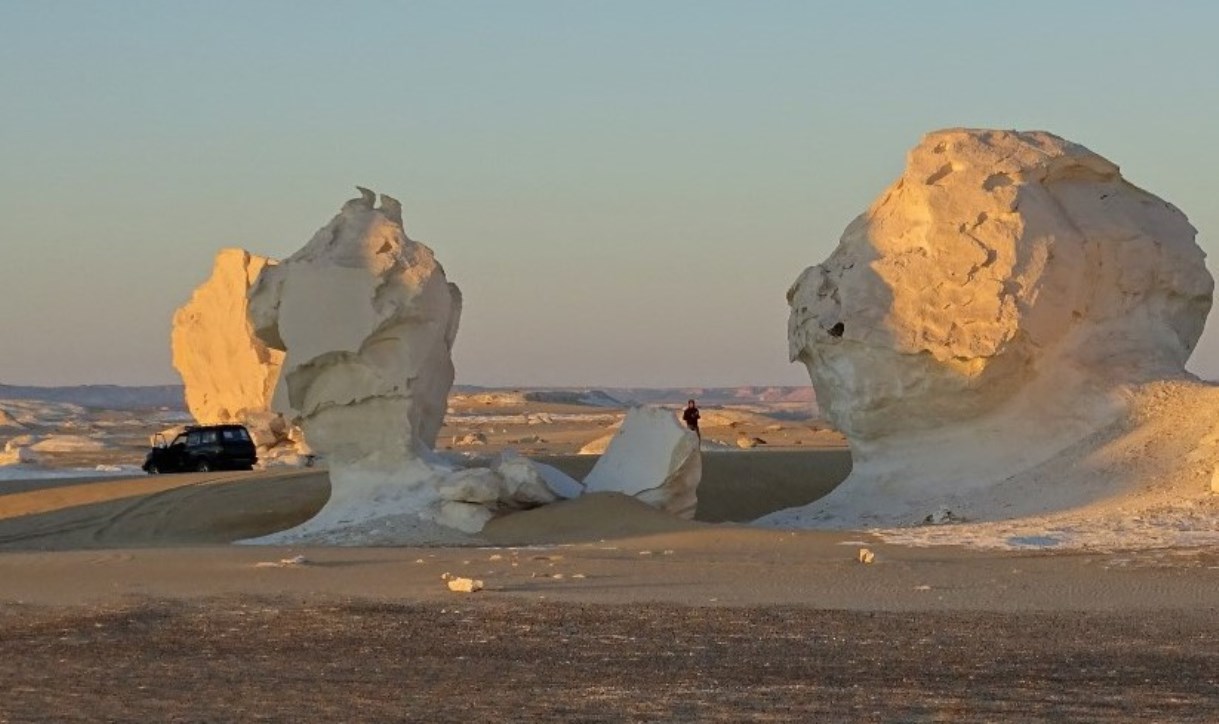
(179, 440)
(193, 438)
(210, 437)
(236, 434)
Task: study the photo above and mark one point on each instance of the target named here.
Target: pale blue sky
(623, 190)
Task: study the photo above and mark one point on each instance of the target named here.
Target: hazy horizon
(623, 191)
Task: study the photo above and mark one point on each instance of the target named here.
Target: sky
(623, 190)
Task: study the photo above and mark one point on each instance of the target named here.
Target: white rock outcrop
(653, 458)
(995, 314)
(228, 372)
(367, 320)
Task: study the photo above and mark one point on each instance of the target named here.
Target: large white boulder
(528, 483)
(1003, 302)
(227, 371)
(653, 458)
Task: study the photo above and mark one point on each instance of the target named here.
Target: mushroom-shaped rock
(652, 458)
(1002, 302)
(367, 321)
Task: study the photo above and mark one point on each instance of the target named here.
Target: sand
(123, 599)
(157, 511)
(741, 487)
(169, 536)
(486, 659)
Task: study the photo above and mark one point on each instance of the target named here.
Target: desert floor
(124, 599)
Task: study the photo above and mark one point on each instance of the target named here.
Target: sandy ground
(494, 660)
(124, 600)
(104, 541)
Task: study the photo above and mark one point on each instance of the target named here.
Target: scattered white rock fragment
(283, 562)
(471, 438)
(458, 584)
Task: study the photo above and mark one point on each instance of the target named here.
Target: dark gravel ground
(495, 660)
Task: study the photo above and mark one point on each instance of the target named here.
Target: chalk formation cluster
(1003, 333)
(350, 340)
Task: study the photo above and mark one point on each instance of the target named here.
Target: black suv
(203, 448)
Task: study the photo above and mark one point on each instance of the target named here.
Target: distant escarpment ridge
(740, 395)
(108, 397)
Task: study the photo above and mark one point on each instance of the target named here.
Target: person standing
(690, 416)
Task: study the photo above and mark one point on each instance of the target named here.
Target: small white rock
(457, 584)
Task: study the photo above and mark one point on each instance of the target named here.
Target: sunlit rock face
(229, 374)
(988, 310)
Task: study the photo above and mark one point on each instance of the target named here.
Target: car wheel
(203, 467)
(153, 469)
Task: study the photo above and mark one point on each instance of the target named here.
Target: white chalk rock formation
(228, 372)
(1003, 303)
(652, 458)
(367, 320)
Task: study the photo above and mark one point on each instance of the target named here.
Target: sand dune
(178, 510)
(158, 511)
